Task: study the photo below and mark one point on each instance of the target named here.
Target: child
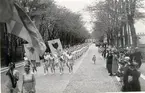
(94, 59)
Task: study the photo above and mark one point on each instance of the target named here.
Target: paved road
(87, 77)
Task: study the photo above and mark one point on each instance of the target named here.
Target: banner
(55, 46)
(31, 52)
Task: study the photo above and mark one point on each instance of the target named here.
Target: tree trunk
(121, 37)
(125, 35)
(133, 34)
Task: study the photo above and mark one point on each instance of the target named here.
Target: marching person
(61, 62)
(34, 67)
(13, 77)
(33, 59)
(26, 60)
(70, 62)
(28, 81)
(65, 57)
(46, 63)
(52, 63)
(94, 59)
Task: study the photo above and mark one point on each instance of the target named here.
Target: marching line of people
(54, 61)
(30, 68)
(125, 64)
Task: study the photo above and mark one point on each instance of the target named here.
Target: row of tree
(52, 21)
(115, 20)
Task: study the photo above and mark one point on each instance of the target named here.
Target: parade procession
(72, 46)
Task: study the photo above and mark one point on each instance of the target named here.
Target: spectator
(137, 57)
(131, 78)
(115, 64)
(109, 62)
(13, 77)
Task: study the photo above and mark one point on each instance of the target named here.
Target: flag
(31, 52)
(22, 26)
(6, 7)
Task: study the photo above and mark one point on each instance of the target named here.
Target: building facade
(141, 44)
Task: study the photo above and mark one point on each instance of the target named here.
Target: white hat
(127, 58)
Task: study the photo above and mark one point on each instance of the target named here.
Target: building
(141, 43)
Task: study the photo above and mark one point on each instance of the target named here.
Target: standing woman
(115, 64)
(28, 85)
(109, 62)
(13, 77)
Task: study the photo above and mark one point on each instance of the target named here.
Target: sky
(79, 6)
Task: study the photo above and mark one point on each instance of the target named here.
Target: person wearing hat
(28, 81)
(131, 78)
(115, 63)
(13, 77)
(137, 56)
(109, 62)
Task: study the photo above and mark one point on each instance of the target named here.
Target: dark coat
(109, 58)
(109, 62)
(134, 84)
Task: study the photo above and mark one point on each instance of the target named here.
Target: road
(86, 78)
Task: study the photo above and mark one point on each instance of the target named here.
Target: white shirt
(25, 58)
(46, 57)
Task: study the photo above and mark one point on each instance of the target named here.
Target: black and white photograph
(72, 46)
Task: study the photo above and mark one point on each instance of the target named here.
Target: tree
(116, 18)
(52, 21)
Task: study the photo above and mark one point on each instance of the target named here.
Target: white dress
(28, 83)
(70, 60)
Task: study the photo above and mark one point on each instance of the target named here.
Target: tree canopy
(115, 19)
(53, 22)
